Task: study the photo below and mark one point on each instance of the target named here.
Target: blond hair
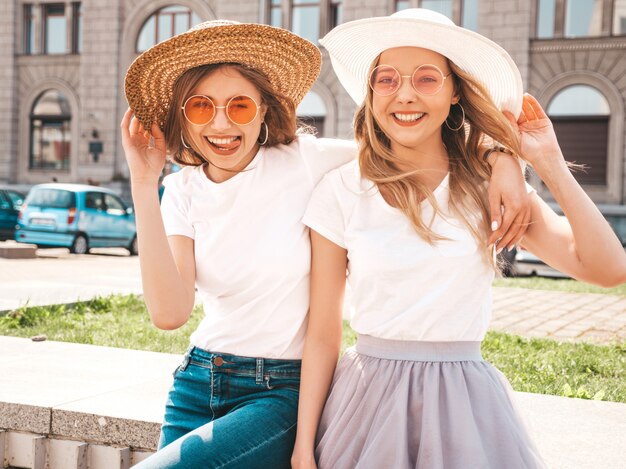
(468, 172)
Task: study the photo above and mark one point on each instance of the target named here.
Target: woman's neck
(432, 164)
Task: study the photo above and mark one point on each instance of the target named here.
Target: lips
(224, 146)
(408, 118)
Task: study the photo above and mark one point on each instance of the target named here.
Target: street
(56, 276)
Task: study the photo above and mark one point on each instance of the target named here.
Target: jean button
(218, 361)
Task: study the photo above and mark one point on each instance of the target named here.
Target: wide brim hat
(290, 62)
(354, 46)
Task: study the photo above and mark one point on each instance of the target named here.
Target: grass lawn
(533, 365)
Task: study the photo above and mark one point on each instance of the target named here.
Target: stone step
(14, 250)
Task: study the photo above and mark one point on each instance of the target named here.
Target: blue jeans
(226, 411)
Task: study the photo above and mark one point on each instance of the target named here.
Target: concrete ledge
(105, 430)
(13, 250)
(114, 397)
(24, 417)
(87, 393)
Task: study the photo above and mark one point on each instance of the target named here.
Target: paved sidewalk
(586, 317)
(57, 276)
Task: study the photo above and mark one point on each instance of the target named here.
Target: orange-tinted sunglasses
(200, 110)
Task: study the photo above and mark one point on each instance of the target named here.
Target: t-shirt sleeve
(322, 155)
(175, 207)
(324, 213)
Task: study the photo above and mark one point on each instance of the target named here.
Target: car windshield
(54, 198)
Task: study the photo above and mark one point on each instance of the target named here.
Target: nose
(406, 93)
(220, 120)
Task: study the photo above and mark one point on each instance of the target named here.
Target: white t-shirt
(252, 250)
(402, 287)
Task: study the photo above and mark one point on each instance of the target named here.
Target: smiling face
(225, 144)
(412, 120)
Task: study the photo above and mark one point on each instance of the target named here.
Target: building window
(400, 5)
(469, 14)
(583, 18)
(276, 13)
(580, 18)
(312, 111)
(441, 6)
(164, 24)
(462, 12)
(580, 115)
(310, 19)
(77, 29)
(55, 29)
(305, 19)
(29, 30)
(50, 133)
(545, 18)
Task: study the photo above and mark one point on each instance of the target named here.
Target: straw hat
(291, 63)
(353, 46)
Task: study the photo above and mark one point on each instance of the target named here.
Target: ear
(456, 97)
(263, 111)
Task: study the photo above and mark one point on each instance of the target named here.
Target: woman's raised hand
(145, 152)
(536, 134)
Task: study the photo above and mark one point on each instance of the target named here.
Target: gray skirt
(399, 404)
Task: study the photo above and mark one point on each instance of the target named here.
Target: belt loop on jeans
(259, 371)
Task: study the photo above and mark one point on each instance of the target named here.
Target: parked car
(10, 204)
(526, 263)
(76, 216)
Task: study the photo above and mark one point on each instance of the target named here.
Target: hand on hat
(145, 152)
(536, 134)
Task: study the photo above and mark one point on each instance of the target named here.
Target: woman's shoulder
(347, 180)
(183, 177)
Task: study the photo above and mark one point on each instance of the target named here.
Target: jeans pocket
(275, 382)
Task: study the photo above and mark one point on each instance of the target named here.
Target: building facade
(63, 65)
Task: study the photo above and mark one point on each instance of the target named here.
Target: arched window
(312, 111)
(581, 114)
(165, 23)
(50, 133)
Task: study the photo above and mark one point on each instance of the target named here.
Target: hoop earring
(183, 141)
(267, 134)
(462, 120)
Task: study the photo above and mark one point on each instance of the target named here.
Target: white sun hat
(353, 46)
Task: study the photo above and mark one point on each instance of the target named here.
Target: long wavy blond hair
(484, 124)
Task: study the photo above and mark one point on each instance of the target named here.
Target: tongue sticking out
(226, 148)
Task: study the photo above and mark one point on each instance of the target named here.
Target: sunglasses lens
(241, 110)
(427, 79)
(384, 80)
(199, 110)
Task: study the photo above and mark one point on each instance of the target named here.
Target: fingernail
(499, 251)
(494, 225)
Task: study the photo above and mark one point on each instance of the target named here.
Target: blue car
(76, 216)
(10, 203)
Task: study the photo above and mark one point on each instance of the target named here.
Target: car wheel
(79, 245)
(133, 248)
